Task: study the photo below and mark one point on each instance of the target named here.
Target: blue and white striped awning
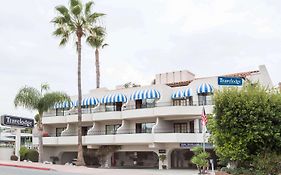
(187, 92)
(205, 88)
(65, 104)
(178, 94)
(113, 98)
(182, 94)
(91, 101)
(145, 94)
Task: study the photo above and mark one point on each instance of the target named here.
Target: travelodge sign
(230, 81)
(8, 120)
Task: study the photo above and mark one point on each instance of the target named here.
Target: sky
(145, 37)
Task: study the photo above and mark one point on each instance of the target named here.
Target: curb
(26, 166)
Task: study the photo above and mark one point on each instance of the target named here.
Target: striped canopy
(182, 94)
(187, 92)
(65, 104)
(145, 94)
(205, 88)
(91, 101)
(177, 94)
(113, 98)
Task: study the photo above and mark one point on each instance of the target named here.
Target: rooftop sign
(8, 120)
(230, 81)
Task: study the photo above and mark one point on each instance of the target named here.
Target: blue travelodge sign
(230, 81)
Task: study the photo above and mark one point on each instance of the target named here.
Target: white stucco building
(145, 121)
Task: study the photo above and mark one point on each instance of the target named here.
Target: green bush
(14, 158)
(23, 151)
(32, 155)
(267, 163)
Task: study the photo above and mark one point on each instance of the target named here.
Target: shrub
(267, 163)
(32, 155)
(23, 151)
(14, 158)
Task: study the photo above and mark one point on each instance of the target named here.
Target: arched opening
(135, 159)
(68, 157)
(181, 158)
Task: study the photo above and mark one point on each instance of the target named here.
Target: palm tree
(96, 40)
(41, 101)
(76, 21)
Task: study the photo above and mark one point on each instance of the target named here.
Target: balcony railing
(129, 131)
(111, 108)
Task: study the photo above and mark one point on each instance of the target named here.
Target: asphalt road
(24, 171)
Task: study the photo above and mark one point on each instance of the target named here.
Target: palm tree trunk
(80, 158)
(40, 139)
(97, 68)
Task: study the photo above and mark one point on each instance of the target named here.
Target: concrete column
(196, 125)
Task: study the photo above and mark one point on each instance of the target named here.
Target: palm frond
(88, 7)
(76, 10)
(98, 31)
(93, 17)
(59, 32)
(44, 87)
(73, 3)
(59, 20)
(104, 45)
(27, 97)
(62, 10)
(50, 99)
(63, 41)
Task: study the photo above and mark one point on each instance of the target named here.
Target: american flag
(204, 117)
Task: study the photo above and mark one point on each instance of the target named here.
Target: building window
(180, 128)
(205, 99)
(190, 101)
(59, 131)
(179, 102)
(191, 126)
(144, 127)
(113, 106)
(85, 130)
(111, 129)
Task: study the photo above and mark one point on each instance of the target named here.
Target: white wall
(5, 153)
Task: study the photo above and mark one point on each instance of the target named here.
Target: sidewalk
(94, 171)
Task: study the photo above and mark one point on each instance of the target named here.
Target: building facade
(146, 121)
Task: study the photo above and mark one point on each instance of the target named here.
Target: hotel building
(145, 121)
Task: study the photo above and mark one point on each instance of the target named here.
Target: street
(24, 171)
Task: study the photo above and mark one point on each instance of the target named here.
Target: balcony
(123, 139)
(128, 112)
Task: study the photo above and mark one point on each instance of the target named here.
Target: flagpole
(203, 129)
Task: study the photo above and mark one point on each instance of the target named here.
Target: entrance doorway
(132, 159)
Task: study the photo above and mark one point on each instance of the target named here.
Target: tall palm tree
(96, 40)
(76, 21)
(41, 101)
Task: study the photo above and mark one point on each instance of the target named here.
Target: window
(111, 129)
(138, 104)
(180, 128)
(205, 99)
(179, 102)
(113, 106)
(144, 127)
(190, 101)
(59, 131)
(149, 103)
(85, 130)
(191, 126)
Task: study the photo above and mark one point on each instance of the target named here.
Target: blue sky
(145, 37)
